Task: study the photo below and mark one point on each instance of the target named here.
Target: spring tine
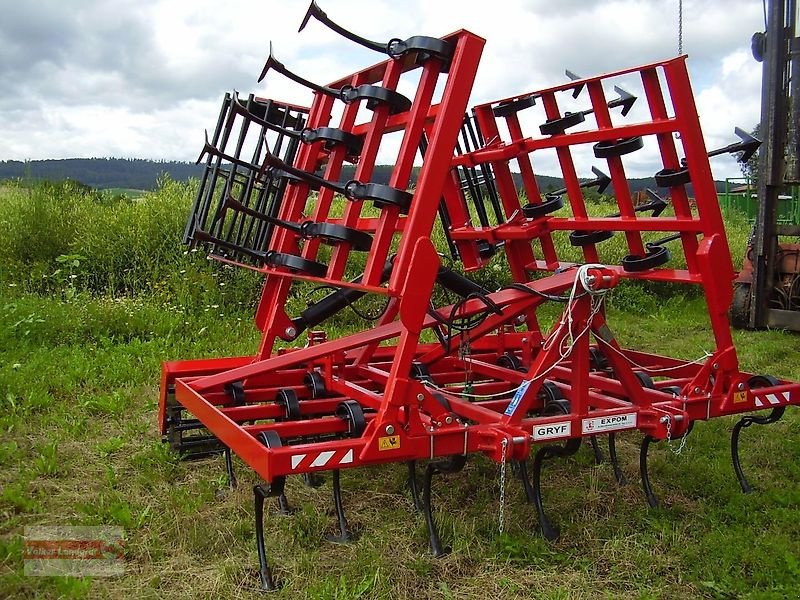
(345, 535)
(747, 421)
(274, 64)
(652, 499)
(315, 11)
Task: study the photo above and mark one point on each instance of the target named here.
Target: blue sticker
(512, 406)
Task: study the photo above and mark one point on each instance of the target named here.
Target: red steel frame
(405, 417)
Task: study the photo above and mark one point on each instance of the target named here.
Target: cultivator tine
(549, 531)
(652, 499)
(598, 453)
(413, 487)
(612, 454)
(451, 465)
(747, 146)
(345, 536)
(265, 573)
(745, 422)
(229, 468)
(394, 48)
(313, 480)
(521, 468)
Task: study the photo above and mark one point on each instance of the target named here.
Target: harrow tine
(452, 465)
(652, 499)
(261, 492)
(345, 535)
(549, 531)
(275, 65)
(395, 48)
(747, 421)
(320, 15)
(413, 486)
(747, 146)
(284, 508)
(612, 454)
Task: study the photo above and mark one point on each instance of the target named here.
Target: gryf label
(552, 431)
(612, 423)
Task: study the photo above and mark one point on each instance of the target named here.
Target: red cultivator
(436, 383)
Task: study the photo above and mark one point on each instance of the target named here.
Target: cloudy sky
(143, 78)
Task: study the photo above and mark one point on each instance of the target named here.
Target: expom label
(611, 423)
(552, 430)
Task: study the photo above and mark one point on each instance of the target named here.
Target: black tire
(291, 404)
(740, 306)
(645, 379)
(510, 361)
(315, 383)
(351, 412)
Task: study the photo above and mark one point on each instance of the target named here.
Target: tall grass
(65, 238)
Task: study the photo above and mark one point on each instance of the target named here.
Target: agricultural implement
(433, 381)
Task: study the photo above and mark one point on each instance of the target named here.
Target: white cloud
(143, 79)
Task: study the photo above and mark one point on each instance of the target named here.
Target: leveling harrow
(437, 383)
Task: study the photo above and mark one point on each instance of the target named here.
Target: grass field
(87, 316)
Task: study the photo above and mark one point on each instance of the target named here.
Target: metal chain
(680, 27)
(501, 516)
(679, 450)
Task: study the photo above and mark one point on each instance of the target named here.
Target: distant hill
(140, 174)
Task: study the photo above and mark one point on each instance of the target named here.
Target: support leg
(549, 531)
(229, 468)
(412, 485)
(344, 536)
(652, 500)
(612, 453)
(264, 572)
(747, 421)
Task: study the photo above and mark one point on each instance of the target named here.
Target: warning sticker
(612, 423)
(552, 431)
(739, 397)
(390, 442)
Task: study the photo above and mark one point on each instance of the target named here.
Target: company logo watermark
(75, 551)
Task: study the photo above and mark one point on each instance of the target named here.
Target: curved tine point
(206, 147)
(271, 61)
(313, 11)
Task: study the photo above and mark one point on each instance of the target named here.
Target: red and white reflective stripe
(772, 399)
(322, 459)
